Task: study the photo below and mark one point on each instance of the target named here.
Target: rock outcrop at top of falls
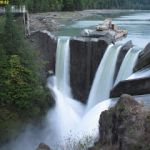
(124, 127)
(107, 29)
(144, 58)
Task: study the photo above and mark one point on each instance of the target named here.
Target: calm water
(137, 23)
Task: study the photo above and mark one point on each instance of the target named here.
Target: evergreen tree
(68, 5)
(11, 37)
(20, 84)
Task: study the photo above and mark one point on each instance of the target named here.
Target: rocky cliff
(124, 127)
(144, 59)
(121, 56)
(45, 44)
(86, 54)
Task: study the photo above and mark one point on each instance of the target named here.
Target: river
(136, 22)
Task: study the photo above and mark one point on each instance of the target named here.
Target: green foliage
(68, 5)
(11, 37)
(21, 85)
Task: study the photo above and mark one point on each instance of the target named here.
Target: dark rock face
(121, 56)
(45, 44)
(124, 127)
(134, 87)
(86, 54)
(43, 146)
(144, 58)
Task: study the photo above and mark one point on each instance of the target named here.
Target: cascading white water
(65, 116)
(63, 65)
(103, 80)
(128, 64)
(89, 124)
(140, 74)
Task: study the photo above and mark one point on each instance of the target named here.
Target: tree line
(70, 5)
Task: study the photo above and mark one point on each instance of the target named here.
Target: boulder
(124, 127)
(107, 29)
(43, 146)
(144, 58)
(107, 24)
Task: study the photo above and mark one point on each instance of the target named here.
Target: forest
(70, 5)
(19, 70)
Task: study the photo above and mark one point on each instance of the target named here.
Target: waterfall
(140, 74)
(90, 122)
(63, 65)
(128, 64)
(66, 114)
(103, 80)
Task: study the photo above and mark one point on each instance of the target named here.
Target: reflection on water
(137, 23)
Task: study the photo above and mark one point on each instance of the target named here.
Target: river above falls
(137, 23)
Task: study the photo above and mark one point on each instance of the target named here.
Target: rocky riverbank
(52, 21)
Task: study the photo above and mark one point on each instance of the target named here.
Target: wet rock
(144, 58)
(138, 86)
(86, 54)
(124, 127)
(107, 29)
(121, 56)
(45, 44)
(43, 146)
